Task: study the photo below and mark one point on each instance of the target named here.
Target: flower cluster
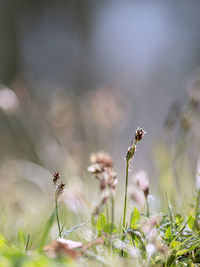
(102, 169)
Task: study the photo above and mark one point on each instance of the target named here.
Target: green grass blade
(47, 229)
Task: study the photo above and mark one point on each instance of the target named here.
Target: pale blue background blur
(145, 51)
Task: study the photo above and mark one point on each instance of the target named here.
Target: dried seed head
(56, 177)
(139, 134)
(103, 183)
(95, 168)
(102, 158)
(112, 181)
(60, 189)
(102, 169)
(113, 184)
(146, 192)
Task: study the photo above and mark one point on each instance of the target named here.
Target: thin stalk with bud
(59, 188)
(129, 155)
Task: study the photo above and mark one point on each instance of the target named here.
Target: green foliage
(169, 238)
(101, 223)
(135, 216)
(47, 229)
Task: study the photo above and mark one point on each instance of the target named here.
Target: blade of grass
(27, 242)
(74, 228)
(170, 212)
(47, 229)
(179, 233)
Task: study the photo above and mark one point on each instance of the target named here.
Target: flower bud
(139, 134)
(56, 177)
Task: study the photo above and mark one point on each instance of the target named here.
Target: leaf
(171, 259)
(171, 215)
(101, 222)
(179, 219)
(182, 252)
(93, 221)
(175, 244)
(137, 238)
(21, 236)
(191, 222)
(135, 216)
(182, 229)
(109, 227)
(168, 232)
(3, 241)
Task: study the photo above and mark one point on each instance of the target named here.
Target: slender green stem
(125, 197)
(125, 201)
(27, 242)
(57, 217)
(113, 211)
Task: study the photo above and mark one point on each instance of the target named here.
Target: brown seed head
(112, 181)
(146, 192)
(60, 189)
(56, 177)
(103, 183)
(139, 134)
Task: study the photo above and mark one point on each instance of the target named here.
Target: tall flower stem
(57, 217)
(112, 211)
(129, 155)
(125, 197)
(59, 187)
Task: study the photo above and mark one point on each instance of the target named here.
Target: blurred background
(80, 76)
